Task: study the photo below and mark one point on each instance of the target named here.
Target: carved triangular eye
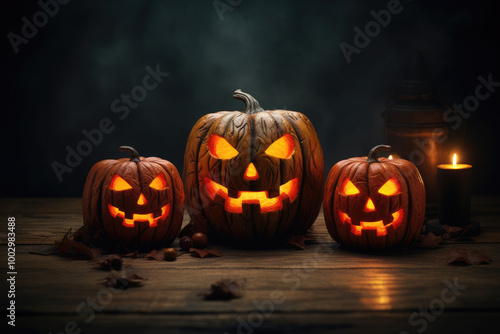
(282, 148)
(348, 188)
(119, 184)
(219, 148)
(159, 183)
(390, 188)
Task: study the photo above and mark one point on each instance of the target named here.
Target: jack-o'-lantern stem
(372, 156)
(134, 155)
(252, 106)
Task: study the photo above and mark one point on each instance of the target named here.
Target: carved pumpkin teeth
(232, 193)
(379, 226)
(151, 218)
(267, 204)
(129, 215)
(246, 210)
(274, 193)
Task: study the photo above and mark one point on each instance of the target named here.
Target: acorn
(170, 254)
(200, 240)
(186, 243)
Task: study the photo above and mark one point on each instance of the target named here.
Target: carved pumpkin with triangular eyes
(374, 203)
(137, 202)
(253, 175)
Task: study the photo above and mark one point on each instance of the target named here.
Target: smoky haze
(285, 53)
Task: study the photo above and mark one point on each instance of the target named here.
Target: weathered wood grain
(41, 220)
(324, 289)
(450, 321)
(58, 288)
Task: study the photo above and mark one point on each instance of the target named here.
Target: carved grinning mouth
(147, 217)
(397, 218)
(235, 205)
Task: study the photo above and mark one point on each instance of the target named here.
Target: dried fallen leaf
(134, 255)
(452, 232)
(225, 289)
(297, 241)
(204, 252)
(429, 240)
(157, 254)
(109, 262)
(67, 244)
(123, 279)
(434, 226)
(467, 256)
(457, 232)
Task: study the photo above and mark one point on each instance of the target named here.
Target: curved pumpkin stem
(372, 156)
(252, 106)
(133, 152)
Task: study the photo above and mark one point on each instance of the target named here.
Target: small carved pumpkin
(253, 175)
(137, 202)
(374, 203)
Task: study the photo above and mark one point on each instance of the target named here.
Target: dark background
(285, 53)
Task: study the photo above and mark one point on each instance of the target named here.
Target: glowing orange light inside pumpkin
(397, 219)
(369, 206)
(119, 184)
(390, 188)
(251, 173)
(159, 183)
(235, 205)
(137, 217)
(142, 200)
(282, 148)
(219, 148)
(455, 159)
(348, 188)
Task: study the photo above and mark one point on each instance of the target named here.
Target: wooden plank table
(320, 290)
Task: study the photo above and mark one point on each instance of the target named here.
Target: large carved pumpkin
(253, 175)
(374, 203)
(137, 202)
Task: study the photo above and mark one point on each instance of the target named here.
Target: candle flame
(454, 159)
(390, 157)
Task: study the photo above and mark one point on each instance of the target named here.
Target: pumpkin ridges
(408, 221)
(238, 164)
(264, 132)
(146, 171)
(375, 172)
(354, 169)
(109, 229)
(220, 171)
(329, 210)
(190, 171)
(174, 196)
(312, 179)
(330, 191)
(267, 131)
(97, 197)
(177, 209)
(417, 213)
(387, 171)
(245, 133)
(138, 175)
(286, 174)
(88, 199)
(410, 200)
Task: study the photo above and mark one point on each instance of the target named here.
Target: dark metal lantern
(415, 128)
